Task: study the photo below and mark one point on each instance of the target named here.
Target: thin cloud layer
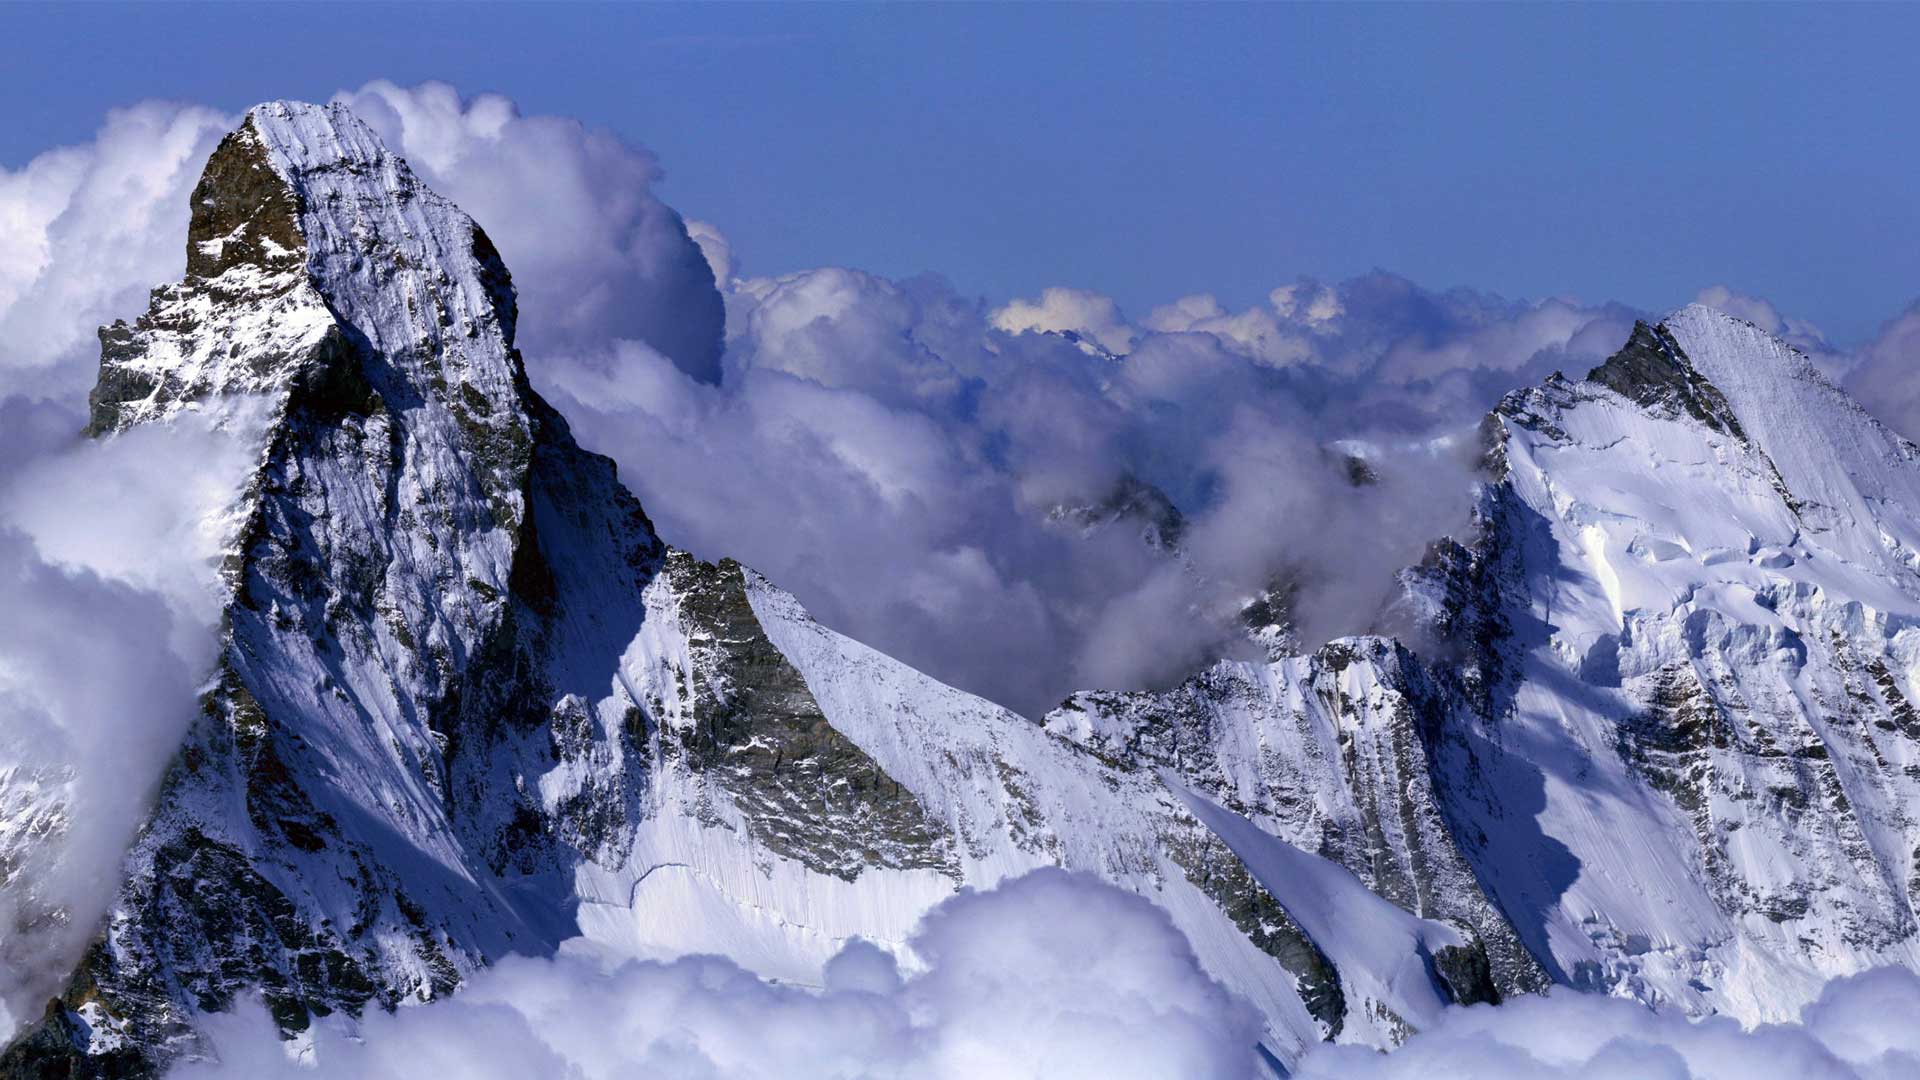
(1049, 975)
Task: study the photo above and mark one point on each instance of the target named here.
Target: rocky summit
(1652, 735)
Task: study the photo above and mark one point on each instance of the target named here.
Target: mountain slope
(1662, 744)
(1707, 613)
(469, 704)
(1652, 737)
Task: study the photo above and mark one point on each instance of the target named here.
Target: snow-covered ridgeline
(1655, 741)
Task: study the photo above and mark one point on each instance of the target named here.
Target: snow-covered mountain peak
(1695, 604)
(1855, 483)
(367, 220)
(301, 137)
(309, 242)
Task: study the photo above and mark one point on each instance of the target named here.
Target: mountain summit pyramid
(1655, 738)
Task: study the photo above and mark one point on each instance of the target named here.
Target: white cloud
(1051, 975)
(1860, 1029)
(596, 256)
(1887, 377)
(717, 249)
(86, 230)
(108, 581)
(1255, 333)
(1058, 309)
(891, 452)
(1310, 303)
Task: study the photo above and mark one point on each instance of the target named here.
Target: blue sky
(1633, 153)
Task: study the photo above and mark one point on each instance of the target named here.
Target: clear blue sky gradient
(1634, 153)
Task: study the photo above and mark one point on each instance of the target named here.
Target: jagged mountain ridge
(470, 703)
(1665, 723)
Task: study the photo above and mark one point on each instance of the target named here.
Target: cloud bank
(1049, 975)
(110, 591)
(1052, 975)
(1860, 1028)
(967, 488)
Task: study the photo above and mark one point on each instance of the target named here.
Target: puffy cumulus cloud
(1471, 357)
(108, 582)
(596, 256)
(1887, 377)
(1307, 302)
(1048, 975)
(1799, 333)
(1859, 1029)
(857, 467)
(953, 493)
(717, 250)
(1255, 333)
(1062, 310)
(86, 230)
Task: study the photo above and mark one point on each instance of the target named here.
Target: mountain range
(1647, 730)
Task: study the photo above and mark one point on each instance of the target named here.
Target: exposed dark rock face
(1216, 871)
(756, 731)
(1136, 503)
(1652, 370)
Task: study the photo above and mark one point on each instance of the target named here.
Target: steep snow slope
(1328, 752)
(1707, 601)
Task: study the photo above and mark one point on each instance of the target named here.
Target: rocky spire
(336, 828)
